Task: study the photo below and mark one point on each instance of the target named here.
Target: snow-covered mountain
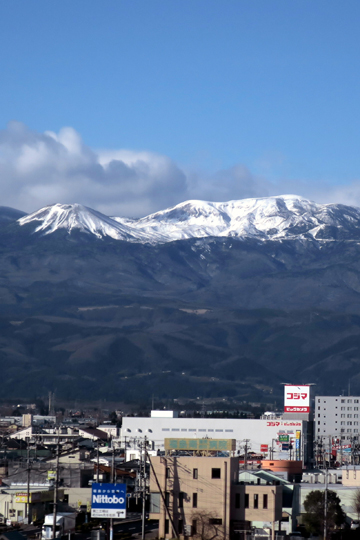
(75, 216)
(270, 218)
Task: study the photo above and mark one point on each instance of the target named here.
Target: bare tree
(206, 525)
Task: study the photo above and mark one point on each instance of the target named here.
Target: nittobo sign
(108, 501)
(297, 399)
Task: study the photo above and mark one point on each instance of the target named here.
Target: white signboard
(107, 513)
(297, 399)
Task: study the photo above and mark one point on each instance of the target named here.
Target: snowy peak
(288, 216)
(270, 218)
(75, 216)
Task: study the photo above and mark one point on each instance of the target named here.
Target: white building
(337, 417)
(254, 433)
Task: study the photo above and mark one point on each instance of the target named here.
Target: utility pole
(111, 536)
(272, 449)
(143, 486)
(28, 480)
(97, 461)
(246, 453)
(325, 505)
(175, 533)
(56, 488)
(341, 456)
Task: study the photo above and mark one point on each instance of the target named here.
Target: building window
(349, 423)
(180, 526)
(195, 474)
(343, 401)
(356, 408)
(175, 429)
(237, 500)
(181, 499)
(154, 503)
(219, 430)
(215, 521)
(167, 498)
(342, 430)
(265, 501)
(256, 500)
(166, 526)
(349, 408)
(167, 473)
(349, 415)
(343, 408)
(356, 401)
(342, 423)
(343, 416)
(229, 430)
(194, 500)
(193, 527)
(202, 429)
(349, 400)
(192, 429)
(246, 500)
(215, 473)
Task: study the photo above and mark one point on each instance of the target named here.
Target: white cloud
(38, 169)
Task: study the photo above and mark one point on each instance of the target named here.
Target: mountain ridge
(84, 313)
(267, 218)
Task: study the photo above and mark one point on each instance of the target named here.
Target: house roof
(95, 433)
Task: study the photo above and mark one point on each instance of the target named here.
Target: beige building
(351, 476)
(190, 493)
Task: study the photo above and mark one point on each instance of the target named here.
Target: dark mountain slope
(215, 317)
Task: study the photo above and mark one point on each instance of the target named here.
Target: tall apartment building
(337, 416)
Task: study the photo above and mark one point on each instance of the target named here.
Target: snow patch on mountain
(287, 216)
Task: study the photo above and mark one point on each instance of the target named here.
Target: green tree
(314, 517)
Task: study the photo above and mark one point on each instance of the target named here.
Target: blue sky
(211, 99)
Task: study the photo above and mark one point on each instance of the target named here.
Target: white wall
(257, 431)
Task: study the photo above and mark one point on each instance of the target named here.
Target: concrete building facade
(259, 433)
(191, 493)
(337, 417)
